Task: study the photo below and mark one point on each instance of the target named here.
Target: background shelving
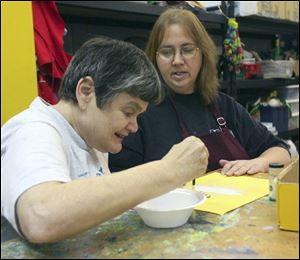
(132, 21)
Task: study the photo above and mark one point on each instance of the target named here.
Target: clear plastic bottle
(274, 170)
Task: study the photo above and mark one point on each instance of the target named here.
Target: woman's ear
(85, 91)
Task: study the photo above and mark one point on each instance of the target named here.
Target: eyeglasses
(168, 53)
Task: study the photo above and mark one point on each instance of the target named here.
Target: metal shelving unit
(266, 26)
(266, 83)
(119, 19)
(124, 11)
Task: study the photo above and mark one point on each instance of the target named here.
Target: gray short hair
(115, 66)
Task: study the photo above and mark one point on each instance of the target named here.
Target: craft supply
(274, 170)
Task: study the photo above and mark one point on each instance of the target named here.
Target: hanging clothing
(52, 60)
(159, 129)
(219, 141)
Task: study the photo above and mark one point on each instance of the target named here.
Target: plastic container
(277, 69)
(251, 71)
(277, 115)
(274, 170)
(294, 104)
(294, 121)
(289, 92)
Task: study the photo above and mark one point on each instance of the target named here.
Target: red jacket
(52, 60)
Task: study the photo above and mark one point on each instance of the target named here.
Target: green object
(277, 48)
(152, 2)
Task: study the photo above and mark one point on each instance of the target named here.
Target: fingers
(198, 154)
(188, 159)
(198, 145)
(240, 167)
(253, 170)
(236, 168)
(222, 162)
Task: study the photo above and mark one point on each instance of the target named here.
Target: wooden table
(247, 232)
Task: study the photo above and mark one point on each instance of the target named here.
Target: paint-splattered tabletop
(248, 232)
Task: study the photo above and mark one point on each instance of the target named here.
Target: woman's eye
(167, 52)
(188, 50)
(128, 114)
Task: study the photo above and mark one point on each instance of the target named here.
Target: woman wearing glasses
(186, 58)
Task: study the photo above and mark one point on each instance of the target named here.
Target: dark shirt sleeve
(252, 135)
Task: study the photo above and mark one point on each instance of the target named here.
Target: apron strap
(220, 120)
(184, 131)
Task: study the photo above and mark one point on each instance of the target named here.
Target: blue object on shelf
(277, 115)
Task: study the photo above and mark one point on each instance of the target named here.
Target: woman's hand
(188, 159)
(240, 167)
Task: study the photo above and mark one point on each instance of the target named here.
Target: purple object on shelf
(277, 115)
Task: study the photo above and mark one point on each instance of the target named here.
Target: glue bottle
(274, 170)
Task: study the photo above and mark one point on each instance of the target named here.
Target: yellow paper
(229, 192)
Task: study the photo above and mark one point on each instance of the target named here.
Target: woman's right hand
(188, 159)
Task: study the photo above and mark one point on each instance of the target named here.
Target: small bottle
(274, 170)
(277, 47)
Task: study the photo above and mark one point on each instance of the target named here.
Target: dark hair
(207, 80)
(115, 66)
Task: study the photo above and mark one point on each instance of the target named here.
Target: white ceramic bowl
(171, 209)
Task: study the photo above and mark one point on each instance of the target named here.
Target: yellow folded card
(229, 192)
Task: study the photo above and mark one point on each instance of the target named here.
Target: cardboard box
(287, 197)
(285, 10)
(296, 67)
(274, 9)
(292, 11)
(278, 9)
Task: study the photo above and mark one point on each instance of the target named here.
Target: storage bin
(294, 104)
(289, 92)
(277, 69)
(251, 71)
(294, 121)
(277, 115)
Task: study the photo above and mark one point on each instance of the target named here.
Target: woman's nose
(132, 126)
(178, 59)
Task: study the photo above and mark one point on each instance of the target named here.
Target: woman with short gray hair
(55, 180)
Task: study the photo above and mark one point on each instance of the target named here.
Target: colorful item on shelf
(277, 48)
(233, 51)
(251, 71)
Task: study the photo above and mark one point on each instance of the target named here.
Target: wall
(18, 69)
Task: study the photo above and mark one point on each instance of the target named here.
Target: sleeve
(131, 154)
(252, 135)
(34, 154)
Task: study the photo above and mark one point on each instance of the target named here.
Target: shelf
(123, 11)
(263, 26)
(265, 83)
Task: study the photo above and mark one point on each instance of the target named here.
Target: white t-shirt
(39, 145)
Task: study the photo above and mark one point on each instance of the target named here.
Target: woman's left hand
(240, 167)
